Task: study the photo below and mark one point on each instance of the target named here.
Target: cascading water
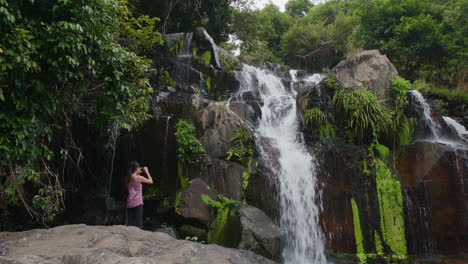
(295, 173)
(425, 112)
(457, 128)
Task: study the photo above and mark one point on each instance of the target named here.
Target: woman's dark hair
(132, 167)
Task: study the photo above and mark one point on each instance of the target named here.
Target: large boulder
(368, 70)
(247, 227)
(191, 204)
(217, 126)
(435, 177)
(225, 177)
(113, 244)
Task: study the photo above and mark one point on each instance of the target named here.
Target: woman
(135, 194)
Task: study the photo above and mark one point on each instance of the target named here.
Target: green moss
(203, 56)
(357, 229)
(391, 208)
(184, 180)
(327, 130)
(406, 131)
(382, 150)
(177, 201)
(226, 229)
(208, 83)
(378, 243)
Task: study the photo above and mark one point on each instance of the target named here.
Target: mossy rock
(226, 229)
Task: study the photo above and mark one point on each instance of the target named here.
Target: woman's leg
(139, 216)
(131, 217)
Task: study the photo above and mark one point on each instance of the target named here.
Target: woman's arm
(148, 180)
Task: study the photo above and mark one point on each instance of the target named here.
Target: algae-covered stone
(246, 227)
(226, 229)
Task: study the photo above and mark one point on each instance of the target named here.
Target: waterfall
(165, 142)
(188, 44)
(457, 128)
(296, 168)
(425, 112)
(213, 45)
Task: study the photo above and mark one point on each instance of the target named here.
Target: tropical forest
(234, 131)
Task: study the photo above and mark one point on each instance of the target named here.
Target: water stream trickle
(296, 170)
(165, 141)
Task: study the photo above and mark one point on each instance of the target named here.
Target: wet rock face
(115, 244)
(435, 177)
(367, 70)
(340, 180)
(191, 204)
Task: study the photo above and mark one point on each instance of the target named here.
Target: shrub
(190, 150)
(362, 114)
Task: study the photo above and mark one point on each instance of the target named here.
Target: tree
(186, 15)
(298, 8)
(60, 62)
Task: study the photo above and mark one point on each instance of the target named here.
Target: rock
(435, 177)
(167, 230)
(193, 231)
(205, 42)
(116, 244)
(341, 179)
(171, 39)
(367, 70)
(249, 60)
(217, 126)
(228, 61)
(225, 177)
(246, 227)
(191, 204)
(244, 111)
(259, 233)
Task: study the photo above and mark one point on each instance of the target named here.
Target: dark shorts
(135, 216)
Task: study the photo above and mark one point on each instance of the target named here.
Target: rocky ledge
(83, 244)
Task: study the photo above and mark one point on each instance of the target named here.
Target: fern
(363, 114)
(219, 205)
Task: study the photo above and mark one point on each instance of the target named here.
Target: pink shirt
(135, 196)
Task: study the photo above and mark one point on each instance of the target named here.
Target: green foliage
(243, 149)
(190, 151)
(298, 8)
(402, 126)
(422, 38)
(49, 201)
(219, 205)
(456, 95)
(261, 31)
(317, 121)
(318, 41)
(186, 15)
(314, 117)
(140, 33)
(177, 47)
(194, 239)
(61, 61)
(363, 114)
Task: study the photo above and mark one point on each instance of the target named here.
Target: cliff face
(412, 202)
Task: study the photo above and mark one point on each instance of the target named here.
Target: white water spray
(426, 114)
(295, 174)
